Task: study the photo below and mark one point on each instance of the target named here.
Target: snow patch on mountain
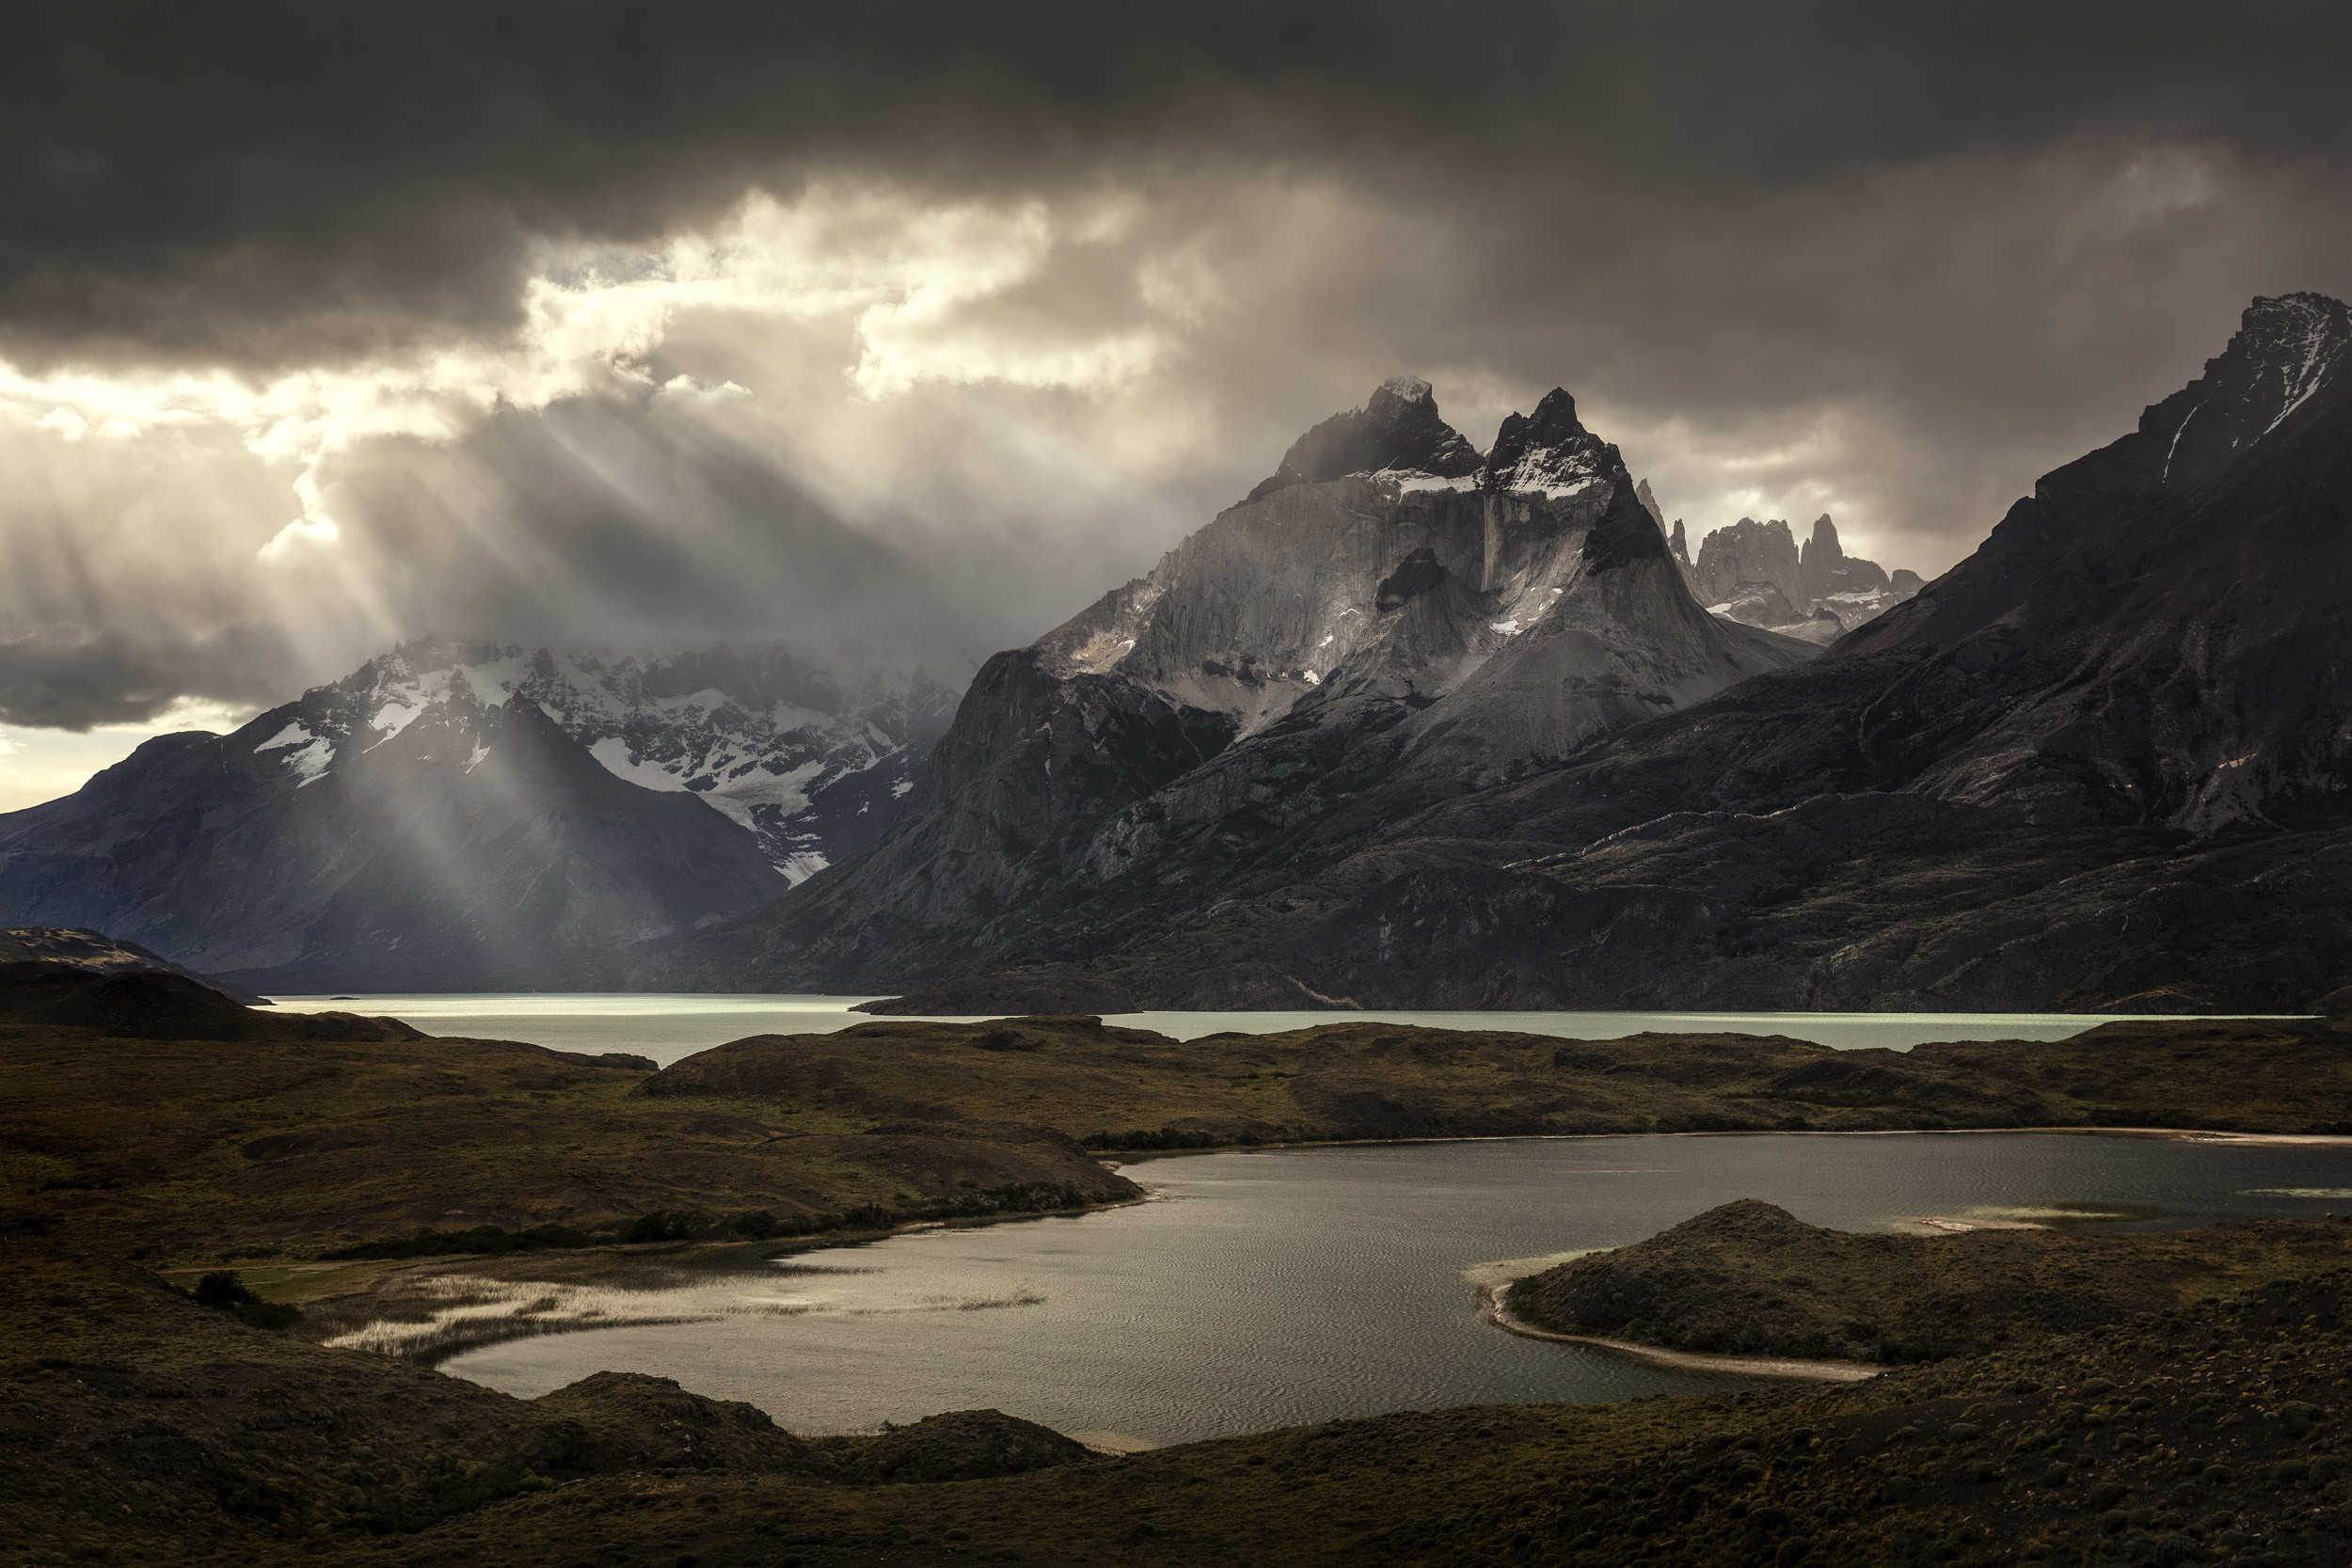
(612, 751)
(306, 754)
(808, 754)
(1556, 472)
(1413, 482)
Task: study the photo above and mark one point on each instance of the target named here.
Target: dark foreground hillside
(135, 1425)
(145, 1116)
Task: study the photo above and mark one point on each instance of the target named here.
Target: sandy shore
(1493, 1310)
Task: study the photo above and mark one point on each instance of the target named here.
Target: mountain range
(2100, 764)
(466, 815)
(1411, 724)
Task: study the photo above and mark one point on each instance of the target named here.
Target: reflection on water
(1288, 1285)
(666, 1027)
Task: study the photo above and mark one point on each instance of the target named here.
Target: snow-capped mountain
(808, 755)
(1390, 619)
(455, 816)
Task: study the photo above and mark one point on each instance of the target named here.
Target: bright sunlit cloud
(909, 281)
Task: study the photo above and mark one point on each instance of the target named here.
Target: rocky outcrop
(1750, 551)
(1755, 573)
(1348, 644)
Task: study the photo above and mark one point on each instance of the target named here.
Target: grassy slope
(306, 1132)
(1749, 1278)
(1372, 1080)
(135, 1424)
(181, 1150)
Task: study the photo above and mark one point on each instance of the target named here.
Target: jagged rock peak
(1549, 452)
(1397, 432)
(1648, 498)
(1750, 551)
(2285, 349)
(1822, 550)
(2308, 329)
(1679, 543)
(808, 754)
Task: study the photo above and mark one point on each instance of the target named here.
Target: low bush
(225, 1290)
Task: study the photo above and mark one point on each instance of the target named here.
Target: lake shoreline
(1492, 1308)
(2173, 1134)
(671, 1026)
(402, 1290)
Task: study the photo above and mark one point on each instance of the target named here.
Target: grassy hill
(145, 1116)
(1130, 1089)
(1749, 1278)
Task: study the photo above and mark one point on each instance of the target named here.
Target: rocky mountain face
(1756, 573)
(456, 815)
(1389, 620)
(2106, 763)
(811, 756)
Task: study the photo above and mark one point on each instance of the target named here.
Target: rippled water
(668, 1027)
(1280, 1287)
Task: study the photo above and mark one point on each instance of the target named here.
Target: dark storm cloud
(275, 181)
(72, 680)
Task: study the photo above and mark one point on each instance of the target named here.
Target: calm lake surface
(668, 1027)
(1268, 1289)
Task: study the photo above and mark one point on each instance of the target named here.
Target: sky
(904, 330)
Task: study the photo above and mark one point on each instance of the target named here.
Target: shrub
(224, 1290)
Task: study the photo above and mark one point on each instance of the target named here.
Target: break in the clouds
(905, 329)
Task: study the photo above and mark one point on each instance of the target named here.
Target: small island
(1750, 1280)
